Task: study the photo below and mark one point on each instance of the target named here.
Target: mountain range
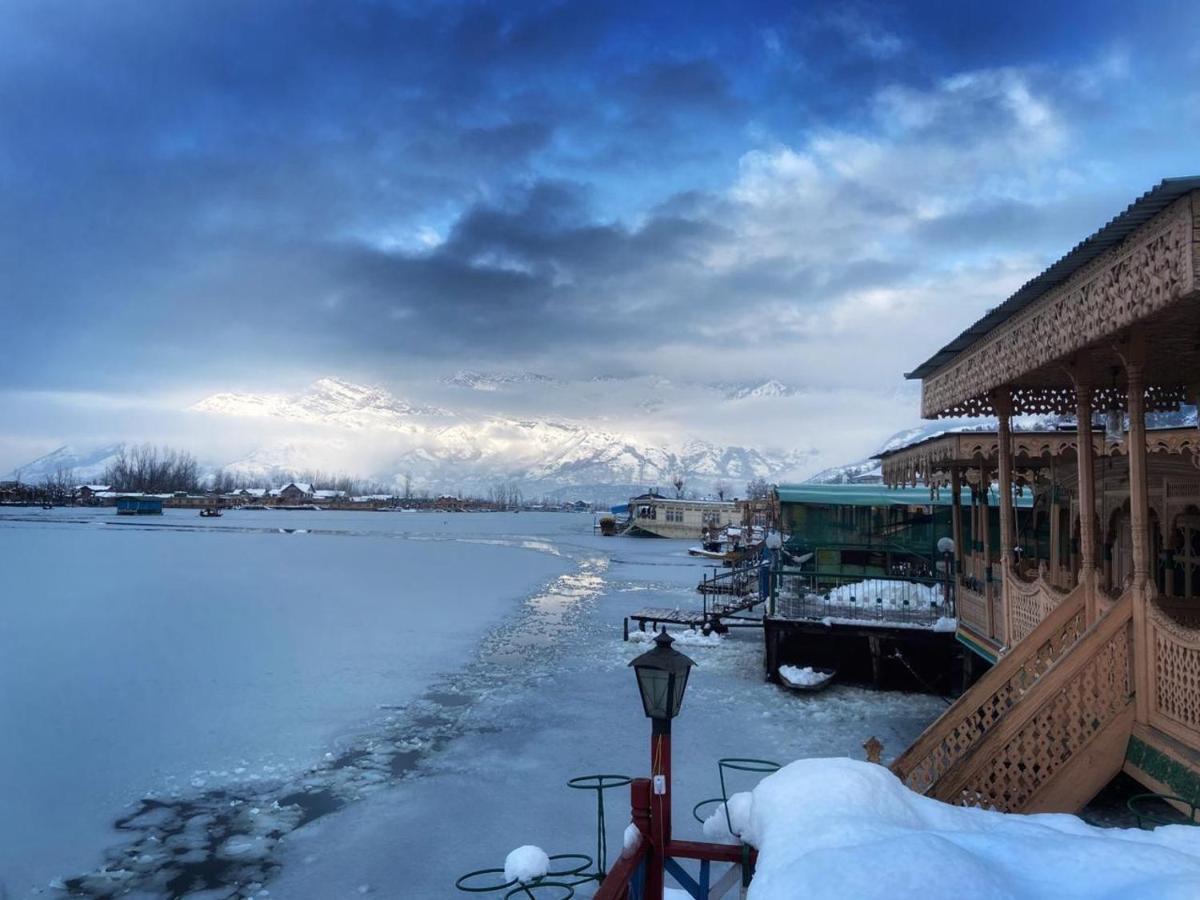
(441, 449)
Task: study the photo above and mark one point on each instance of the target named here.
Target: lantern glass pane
(655, 685)
(680, 686)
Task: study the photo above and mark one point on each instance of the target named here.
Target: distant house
(329, 495)
(295, 492)
(88, 492)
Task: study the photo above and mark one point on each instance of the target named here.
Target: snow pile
(717, 826)
(892, 593)
(526, 864)
(804, 676)
(685, 638)
(838, 827)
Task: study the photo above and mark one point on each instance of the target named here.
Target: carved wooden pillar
(956, 521)
(1002, 402)
(1133, 355)
(1139, 494)
(1087, 492)
(1055, 554)
(985, 538)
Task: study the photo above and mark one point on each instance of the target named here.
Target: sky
(229, 196)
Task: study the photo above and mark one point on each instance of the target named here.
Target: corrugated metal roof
(874, 495)
(1138, 213)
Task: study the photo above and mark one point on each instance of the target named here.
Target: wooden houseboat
(139, 505)
(1096, 633)
(656, 516)
(861, 585)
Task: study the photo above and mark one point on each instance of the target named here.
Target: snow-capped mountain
(495, 381)
(542, 454)
(337, 426)
(328, 401)
(85, 465)
(767, 389)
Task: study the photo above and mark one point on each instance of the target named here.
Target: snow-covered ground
(846, 828)
(364, 702)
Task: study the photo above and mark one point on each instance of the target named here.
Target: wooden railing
(972, 608)
(1173, 638)
(958, 730)
(1029, 602)
(1090, 688)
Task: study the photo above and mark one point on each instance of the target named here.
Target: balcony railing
(910, 601)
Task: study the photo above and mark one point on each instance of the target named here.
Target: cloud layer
(216, 196)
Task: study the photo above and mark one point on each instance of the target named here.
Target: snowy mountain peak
(84, 465)
(768, 389)
(327, 401)
(494, 381)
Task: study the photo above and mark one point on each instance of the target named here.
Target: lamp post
(946, 547)
(662, 676)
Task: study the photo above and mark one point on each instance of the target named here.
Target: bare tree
(678, 483)
(758, 489)
(723, 489)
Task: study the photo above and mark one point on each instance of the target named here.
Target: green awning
(879, 495)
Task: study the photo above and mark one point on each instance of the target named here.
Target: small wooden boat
(209, 512)
(806, 678)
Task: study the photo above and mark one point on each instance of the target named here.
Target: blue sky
(214, 196)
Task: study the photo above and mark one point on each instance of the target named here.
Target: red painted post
(640, 793)
(660, 761)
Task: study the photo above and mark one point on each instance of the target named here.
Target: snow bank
(526, 864)
(892, 593)
(838, 827)
(684, 638)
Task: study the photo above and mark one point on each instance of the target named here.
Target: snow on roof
(303, 486)
(853, 829)
(94, 487)
(327, 495)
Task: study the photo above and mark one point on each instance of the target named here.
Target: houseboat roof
(679, 500)
(1138, 213)
(873, 495)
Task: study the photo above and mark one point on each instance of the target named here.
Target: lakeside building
(1096, 634)
(294, 492)
(86, 493)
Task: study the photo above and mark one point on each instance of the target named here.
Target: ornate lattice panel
(1029, 603)
(1152, 269)
(1061, 727)
(971, 718)
(1176, 669)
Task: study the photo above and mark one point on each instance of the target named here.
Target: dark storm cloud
(357, 180)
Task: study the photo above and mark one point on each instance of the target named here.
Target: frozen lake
(332, 704)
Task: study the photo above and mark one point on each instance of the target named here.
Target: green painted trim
(1182, 780)
(975, 647)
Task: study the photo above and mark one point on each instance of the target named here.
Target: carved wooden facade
(1096, 629)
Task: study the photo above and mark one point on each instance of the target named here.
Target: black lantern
(662, 675)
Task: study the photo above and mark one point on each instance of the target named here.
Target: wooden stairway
(1045, 729)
